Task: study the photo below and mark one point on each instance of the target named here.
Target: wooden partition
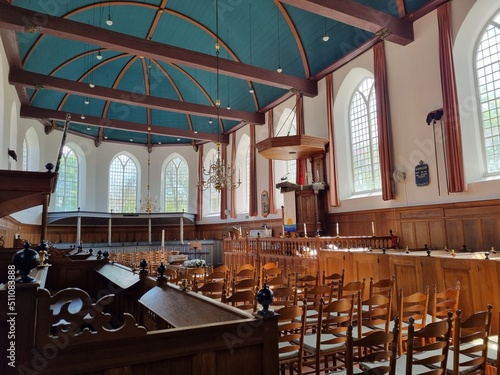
(479, 277)
(74, 331)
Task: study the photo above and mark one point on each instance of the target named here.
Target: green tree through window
(67, 182)
(364, 138)
(176, 185)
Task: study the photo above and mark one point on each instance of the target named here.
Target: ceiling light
(99, 56)
(109, 21)
(159, 142)
(196, 132)
(251, 91)
(178, 139)
(210, 121)
(228, 107)
(105, 137)
(279, 70)
(326, 38)
(92, 85)
(131, 139)
(82, 116)
(87, 101)
(88, 128)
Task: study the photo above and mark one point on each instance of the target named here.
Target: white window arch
(487, 75)
(31, 151)
(364, 138)
(242, 170)
(176, 184)
(123, 184)
(465, 50)
(211, 196)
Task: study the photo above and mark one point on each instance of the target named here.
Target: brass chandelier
(218, 175)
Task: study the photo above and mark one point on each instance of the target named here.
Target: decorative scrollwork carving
(70, 315)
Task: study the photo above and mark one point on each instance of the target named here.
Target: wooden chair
(304, 282)
(246, 266)
(245, 284)
(271, 273)
(337, 281)
(353, 287)
(429, 358)
(244, 300)
(277, 282)
(284, 296)
(314, 297)
(444, 302)
(377, 353)
(212, 290)
(291, 338)
(216, 277)
(381, 286)
(414, 306)
(375, 314)
(470, 344)
(330, 337)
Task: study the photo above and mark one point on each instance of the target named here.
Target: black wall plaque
(422, 174)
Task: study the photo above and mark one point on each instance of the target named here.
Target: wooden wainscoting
(474, 224)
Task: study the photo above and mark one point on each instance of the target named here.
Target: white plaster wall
(414, 90)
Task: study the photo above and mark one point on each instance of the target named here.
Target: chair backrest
(432, 353)
(244, 284)
(270, 265)
(291, 336)
(277, 282)
(246, 266)
(445, 301)
(375, 312)
(284, 296)
(316, 295)
(377, 351)
(353, 287)
(381, 286)
(244, 300)
(337, 281)
(413, 306)
(470, 344)
(271, 273)
(216, 276)
(212, 290)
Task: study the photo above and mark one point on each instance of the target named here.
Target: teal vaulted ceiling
(153, 63)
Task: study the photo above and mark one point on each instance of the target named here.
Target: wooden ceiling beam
(44, 114)
(19, 77)
(396, 30)
(23, 20)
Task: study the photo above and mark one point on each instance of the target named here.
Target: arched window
(67, 181)
(176, 185)
(488, 86)
(364, 138)
(122, 195)
(211, 196)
